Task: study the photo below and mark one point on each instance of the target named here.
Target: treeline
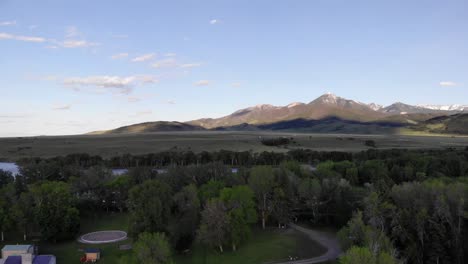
(393, 205)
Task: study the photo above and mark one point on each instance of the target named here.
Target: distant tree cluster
(274, 142)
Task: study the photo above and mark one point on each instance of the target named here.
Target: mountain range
(328, 113)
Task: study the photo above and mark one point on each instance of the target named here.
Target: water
(9, 166)
(119, 172)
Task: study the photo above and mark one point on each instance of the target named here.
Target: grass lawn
(69, 252)
(263, 247)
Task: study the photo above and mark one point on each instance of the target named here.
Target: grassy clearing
(114, 145)
(69, 252)
(263, 247)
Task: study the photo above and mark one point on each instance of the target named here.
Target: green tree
(5, 215)
(5, 178)
(185, 217)
(55, 210)
(152, 248)
(149, 205)
(240, 207)
(210, 190)
(262, 181)
(363, 255)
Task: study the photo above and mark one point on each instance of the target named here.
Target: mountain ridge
(327, 109)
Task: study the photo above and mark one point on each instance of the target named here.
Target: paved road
(327, 240)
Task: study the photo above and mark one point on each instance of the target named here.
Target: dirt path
(327, 240)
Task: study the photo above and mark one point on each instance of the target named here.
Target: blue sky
(69, 67)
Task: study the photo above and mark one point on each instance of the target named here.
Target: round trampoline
(102, 237)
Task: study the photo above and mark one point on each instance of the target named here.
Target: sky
(75, 66)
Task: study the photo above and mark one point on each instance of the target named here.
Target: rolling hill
(148, 127)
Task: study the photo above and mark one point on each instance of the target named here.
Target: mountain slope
(148, 127)
(453, 124)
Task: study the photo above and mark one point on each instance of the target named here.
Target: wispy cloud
(32, 27)
(145, 57)
(447, 83)
(62, 107)
(165, 63)
(22, 38)
(72, 32)
(119, 56)
(14, 116)
(171, 102)
(190, 65)
(236, 84)
(78, 44)
(214, 21)
(8, 23)
(121, 85)
(170, 54)
(53, 44)
(133, 99)
(202, 83)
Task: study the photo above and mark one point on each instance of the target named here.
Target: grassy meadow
(113, 145)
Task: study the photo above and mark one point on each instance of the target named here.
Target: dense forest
(392, 206)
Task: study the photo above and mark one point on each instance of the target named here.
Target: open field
(113, 145)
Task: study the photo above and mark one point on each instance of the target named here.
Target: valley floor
(114, 145)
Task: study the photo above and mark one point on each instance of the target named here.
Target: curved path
(325, 239)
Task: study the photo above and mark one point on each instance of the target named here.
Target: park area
(269, 246)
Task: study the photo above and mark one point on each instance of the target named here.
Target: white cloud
(166, 63)
(14, 116)
(172, 102)
(190, 65)
(22, 38)
(145, 57)
(202, 83)
(133, 99)
(214, 21)
(236, 84)
(119, 56)
(170, 54)
(8, 23)
(447, 83)
(121, 85)
(62, 107)
(78, 44)
(72, 32)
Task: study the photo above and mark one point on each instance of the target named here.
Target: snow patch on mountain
(454, 107)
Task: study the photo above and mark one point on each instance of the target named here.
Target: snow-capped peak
(375, 107)
(454, 107)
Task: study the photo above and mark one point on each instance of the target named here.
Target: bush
(370, 143)
(276, 141)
